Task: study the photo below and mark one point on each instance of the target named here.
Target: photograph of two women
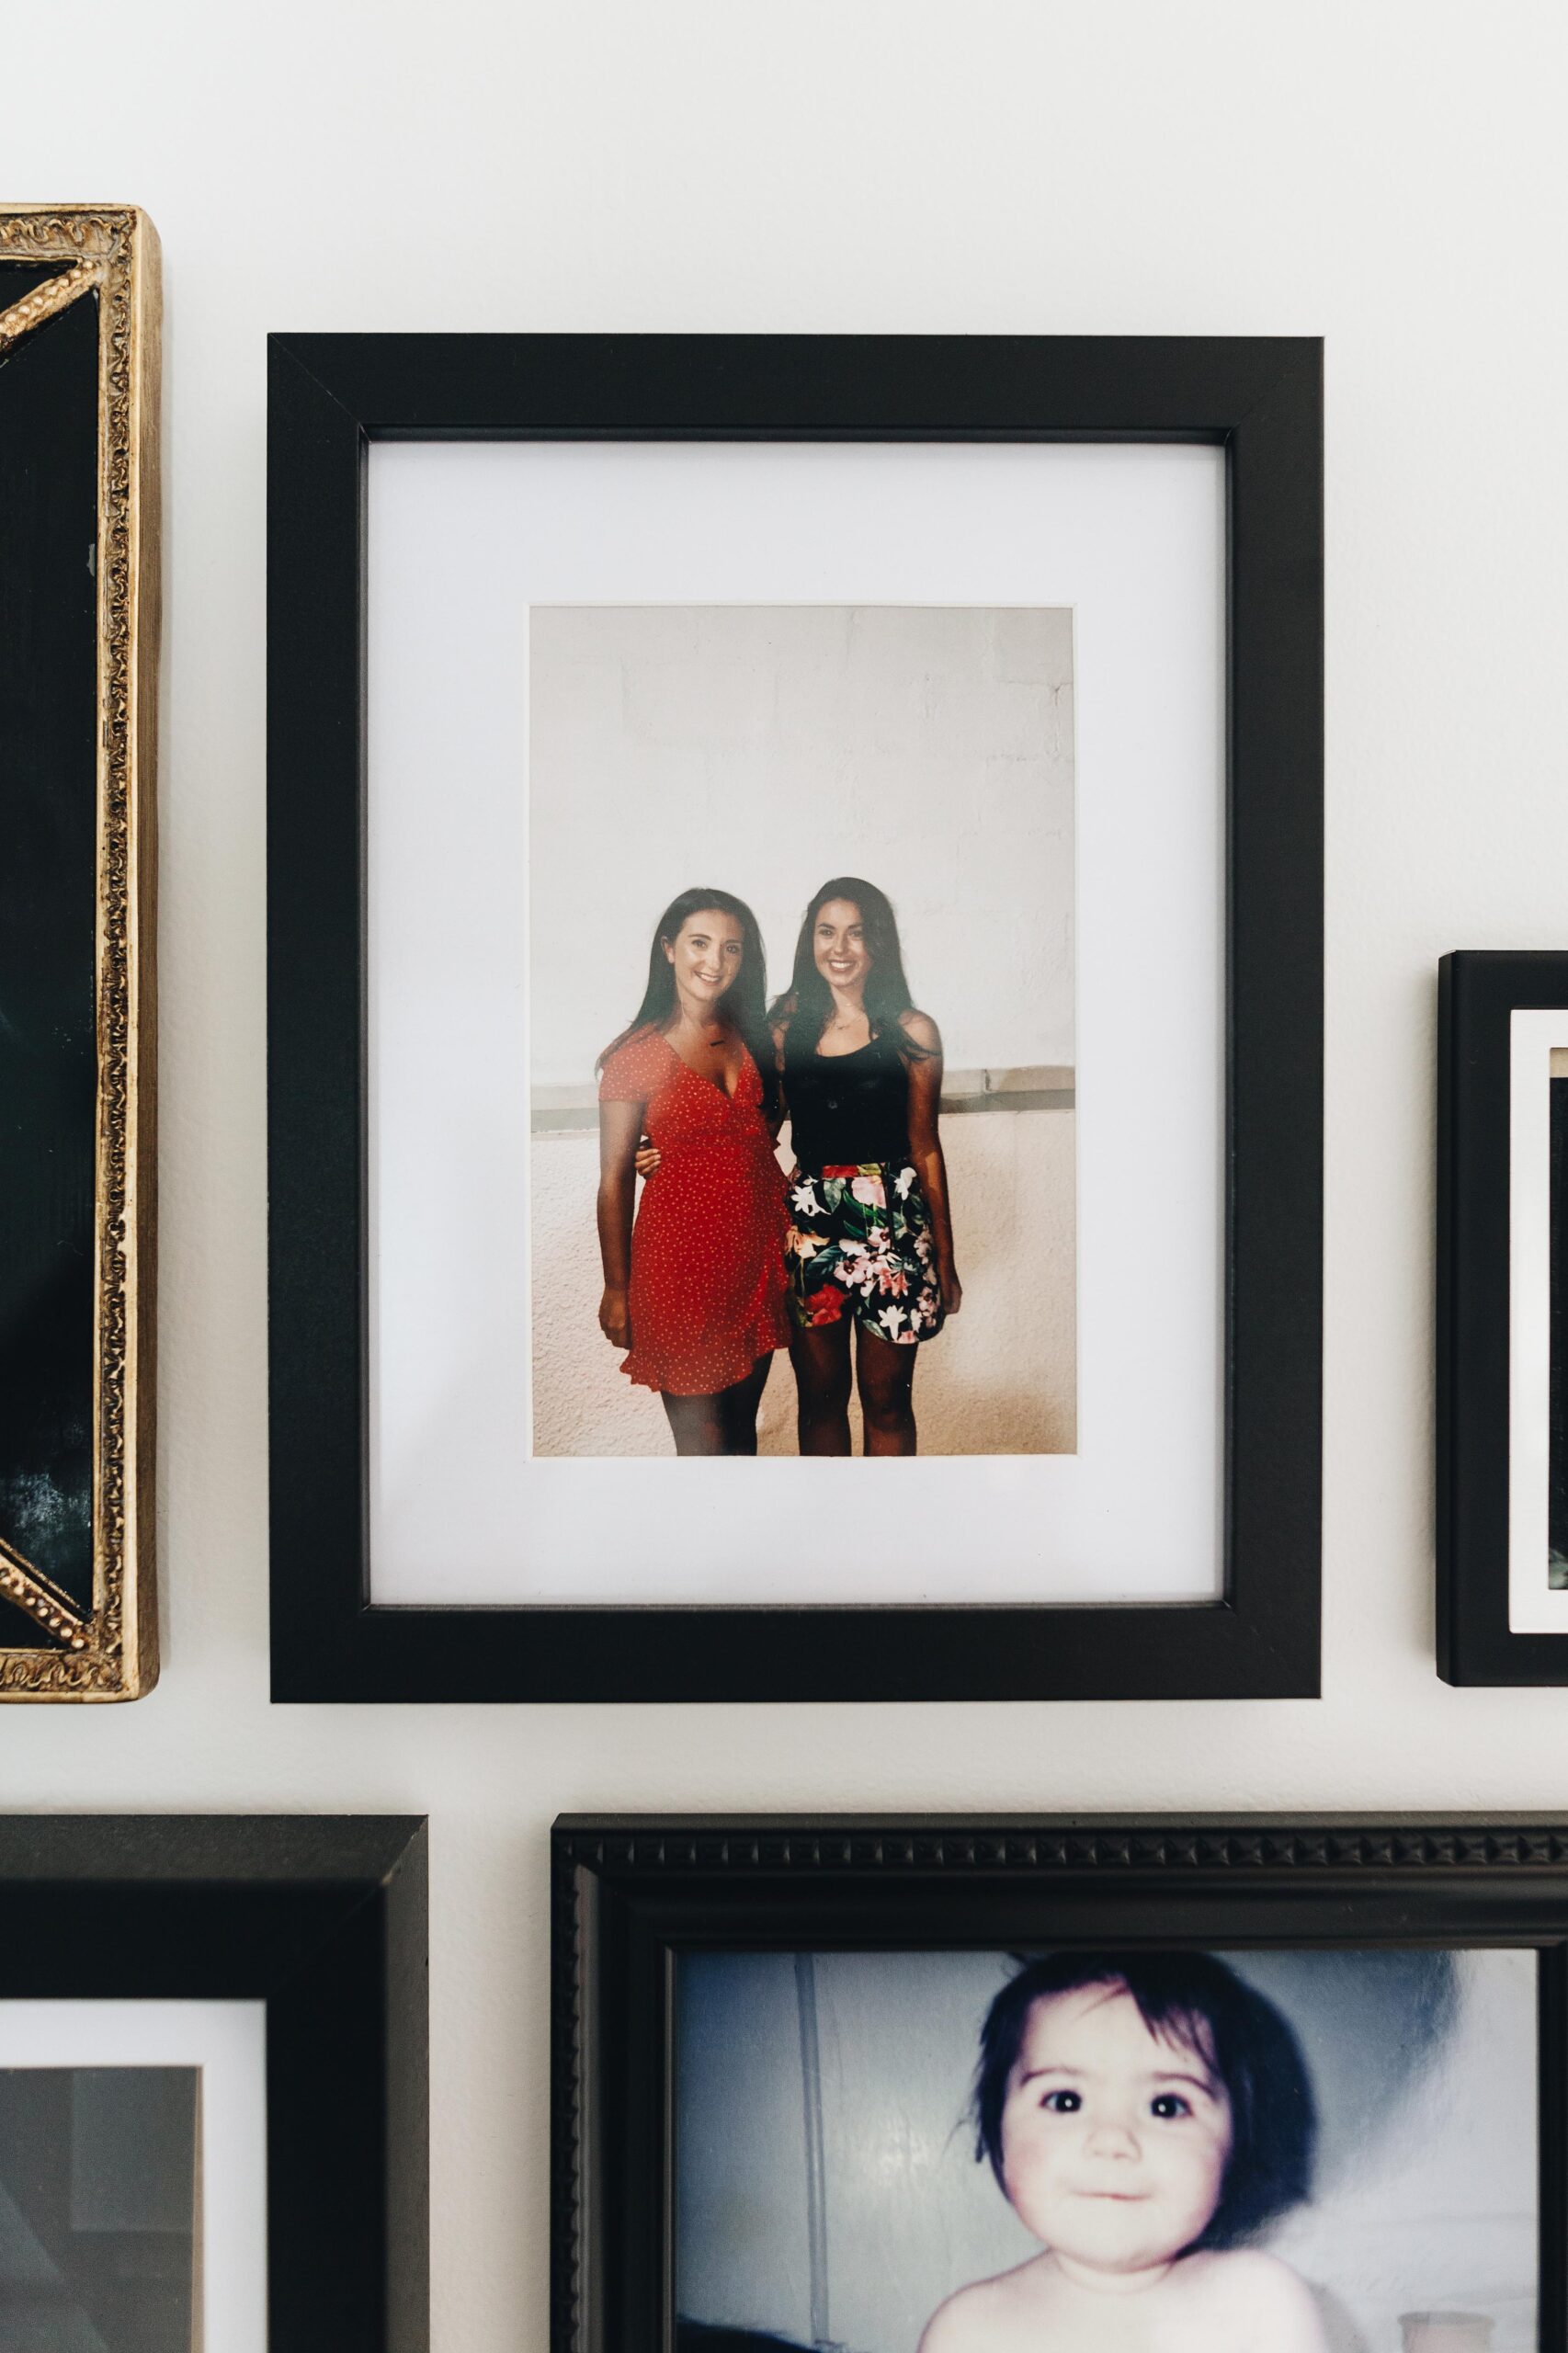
(802, 1059)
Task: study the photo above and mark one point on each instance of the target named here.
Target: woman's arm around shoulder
(778, 1022)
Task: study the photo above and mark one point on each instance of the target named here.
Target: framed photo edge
(323, 1920)
(1478, 992)
(111, 1652)
(1258, 398)
(629, 1891)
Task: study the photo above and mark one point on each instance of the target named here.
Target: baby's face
(1114, 2143)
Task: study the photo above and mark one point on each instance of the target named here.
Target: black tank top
(846, 1109)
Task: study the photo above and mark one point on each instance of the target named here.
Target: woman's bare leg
(695, 1422)
(723, 1422)
(886, 1375)
(737, 1408)
(821, 1358)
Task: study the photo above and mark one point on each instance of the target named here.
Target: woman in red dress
(695, 1290)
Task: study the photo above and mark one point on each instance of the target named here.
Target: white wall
(1388, 176)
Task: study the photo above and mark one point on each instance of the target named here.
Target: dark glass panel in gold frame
(79, 318)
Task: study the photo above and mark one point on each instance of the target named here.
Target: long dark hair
(809, 1000)
(745, 1002)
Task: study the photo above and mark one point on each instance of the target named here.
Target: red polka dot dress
(708, 1292)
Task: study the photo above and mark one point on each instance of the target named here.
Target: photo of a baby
(1145, 2117)
(1139, 2151)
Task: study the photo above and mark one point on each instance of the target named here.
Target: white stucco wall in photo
(765, 748)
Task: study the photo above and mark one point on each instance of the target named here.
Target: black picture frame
(323, 1920)
(1478, 993)
(631, 1893)
(1259, 399)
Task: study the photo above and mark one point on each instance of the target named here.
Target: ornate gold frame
(112, 1653)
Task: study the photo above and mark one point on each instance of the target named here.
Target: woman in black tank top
(870, 1243)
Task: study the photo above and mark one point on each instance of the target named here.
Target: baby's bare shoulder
(952, 2328)
(989, 2316)
(1260, 2288)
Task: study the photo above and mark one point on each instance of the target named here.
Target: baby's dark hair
(1194, 2001)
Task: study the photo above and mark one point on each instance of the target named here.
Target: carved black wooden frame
(323, 1920)
(631, 1893)
(1259, 399)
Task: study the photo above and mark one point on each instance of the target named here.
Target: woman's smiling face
(706, 953)
(838, 945)
(1114, 2140)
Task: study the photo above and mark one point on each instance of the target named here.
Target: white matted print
(774, 751)
(468, 546)
(133, 2176)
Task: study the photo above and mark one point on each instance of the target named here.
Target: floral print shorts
(860, 1245)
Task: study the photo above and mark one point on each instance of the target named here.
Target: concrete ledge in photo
(1040, 1087)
